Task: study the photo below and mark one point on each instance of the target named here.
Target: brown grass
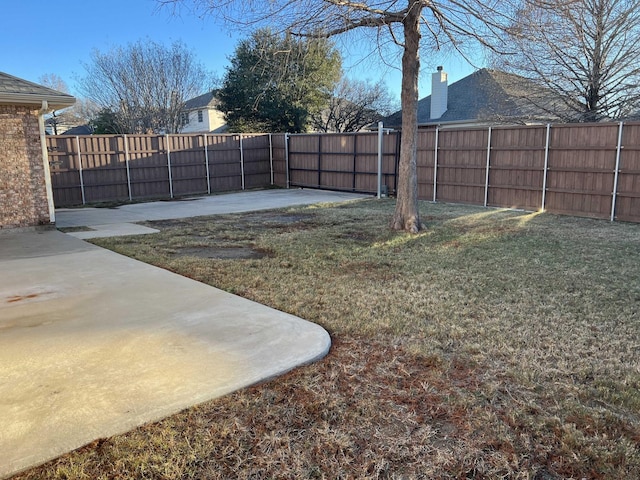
(496, 344)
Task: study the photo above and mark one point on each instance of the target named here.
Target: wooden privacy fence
(577, 169)
(99, 168)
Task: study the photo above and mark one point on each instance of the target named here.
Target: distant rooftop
(487, 95)
(206, 100)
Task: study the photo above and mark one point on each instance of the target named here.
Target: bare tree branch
(586, 51)
(144, 84)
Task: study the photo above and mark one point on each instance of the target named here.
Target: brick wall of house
(23, 196)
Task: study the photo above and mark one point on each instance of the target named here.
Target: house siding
(212, 120)
(23, 195)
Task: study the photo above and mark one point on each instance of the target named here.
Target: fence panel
(339, 161)
(104, 169)
(516, 172)
(279, 149)
(148, 166)
(390, 158)
(65, 172)
(188, 166)
(225, 169)
(581, 169)
(628, 195)
(365, 158)
(462, 165)
(425, 163)
(304, 160)
(256, 160)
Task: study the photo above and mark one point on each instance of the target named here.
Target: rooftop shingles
(485, 95)
(14, 86)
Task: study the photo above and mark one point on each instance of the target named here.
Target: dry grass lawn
(496, 344)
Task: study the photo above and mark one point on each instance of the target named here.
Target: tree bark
(406, 216)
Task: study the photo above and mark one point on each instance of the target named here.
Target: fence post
(486, 182)
(84, 202)
(379, 160)
(286, 155)
(206, 163)
(355, 162)
(126, 161)
(546, 167)
(168, 149)
(271, 157)
(616, 174)
(435, 166)
(396, 162)
(241, 161)
(319, 160)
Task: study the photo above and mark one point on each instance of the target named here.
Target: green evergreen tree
(105, 122)
(275, 83)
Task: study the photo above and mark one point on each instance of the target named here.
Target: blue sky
(37, 38)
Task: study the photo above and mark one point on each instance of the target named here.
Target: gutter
(56, 102)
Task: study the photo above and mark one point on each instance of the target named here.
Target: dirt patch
(75, 229)
(250, 221)
(221, 253)
(288, 219)
(360, 237)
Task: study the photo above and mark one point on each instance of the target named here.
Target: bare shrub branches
(144, 84)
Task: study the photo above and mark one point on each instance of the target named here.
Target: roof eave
(55, 102)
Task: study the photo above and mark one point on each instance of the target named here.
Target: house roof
(16, 91)
(79, 130)
(487, 95)
(202, 101)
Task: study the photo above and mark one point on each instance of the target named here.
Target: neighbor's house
(201, 115)
(57, 126)
(79, 130)
(486, 97)
(26, 196)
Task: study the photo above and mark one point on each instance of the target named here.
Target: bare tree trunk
(406, 216)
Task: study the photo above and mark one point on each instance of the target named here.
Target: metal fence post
(286, 156)
(617, 172)
(319, 160)
(206, 163)
(84, 202)
(126, 161)
(379, 160)
(271, 157)
(486, 182)
(396, 162)
(241, 161)
(168, 149)
(546, 167)
(435, 166)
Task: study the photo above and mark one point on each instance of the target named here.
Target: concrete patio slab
(197, 206)
(93, 344)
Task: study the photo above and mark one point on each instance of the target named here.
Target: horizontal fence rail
(577, 169)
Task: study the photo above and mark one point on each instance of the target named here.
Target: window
(200, 116)
(185, 118)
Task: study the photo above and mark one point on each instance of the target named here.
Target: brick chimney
(438, 93)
